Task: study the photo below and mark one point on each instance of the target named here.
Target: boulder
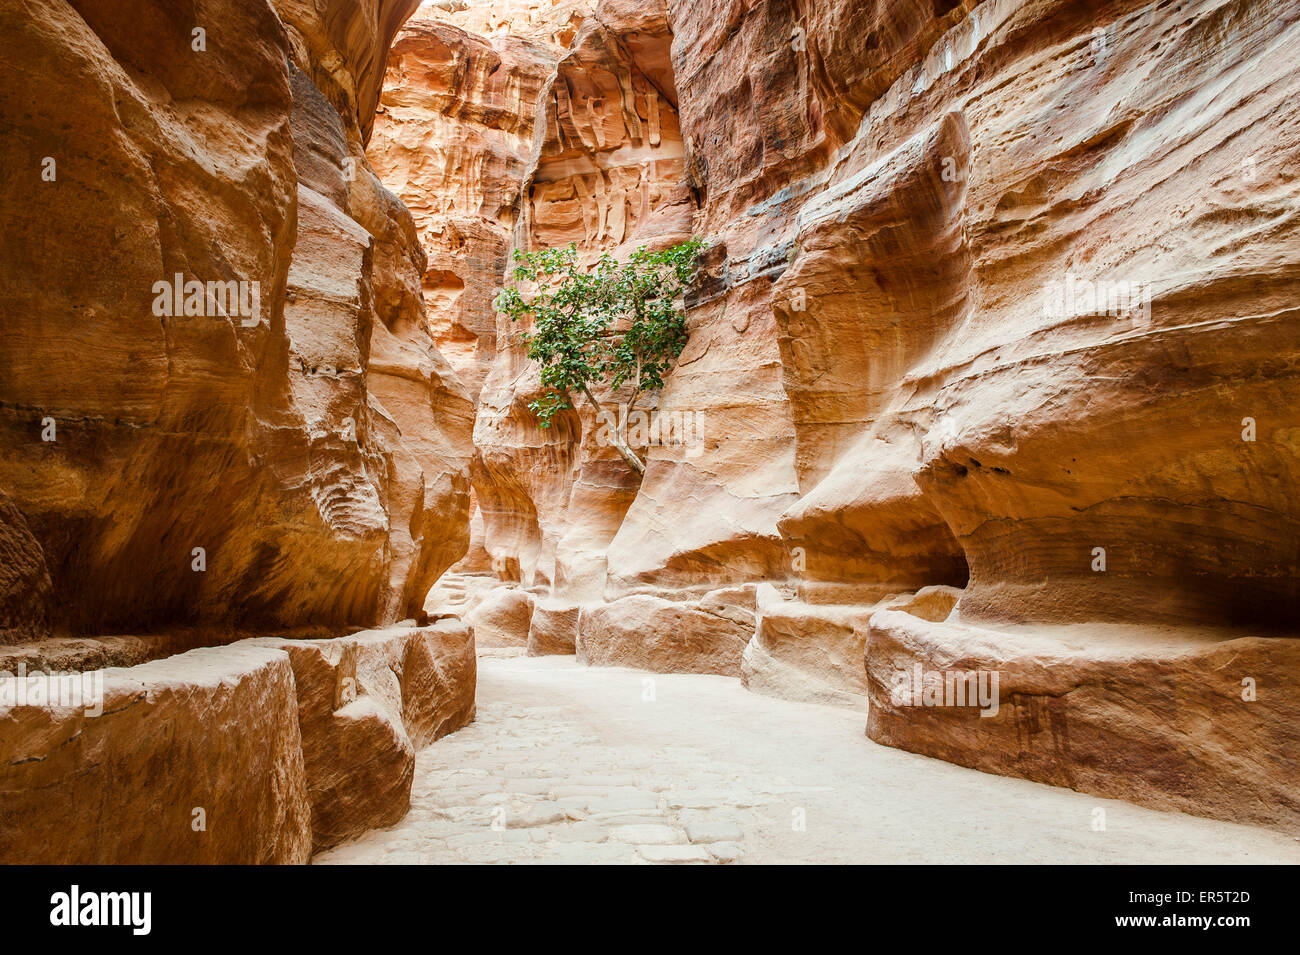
(554, 627)
(808, 652)
(814, 652)
(194, 759)
(1192, 720)
(650, 633)
(366, 703)
(502, 618)
(440, 677)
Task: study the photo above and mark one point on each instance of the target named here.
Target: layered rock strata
(195, 758)
(366, 704)
(1193, 720)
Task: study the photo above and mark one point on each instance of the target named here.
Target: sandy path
(570, 764)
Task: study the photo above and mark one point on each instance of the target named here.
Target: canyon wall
(990, 388)
(222, 412)
(993, 358)
(453, 139)
(220, 403)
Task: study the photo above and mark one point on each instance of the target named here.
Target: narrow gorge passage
(650, 431)
(574, 765)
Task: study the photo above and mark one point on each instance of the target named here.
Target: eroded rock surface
(503, 618)
(553, 628)
(262, 751)
(991, 364)
(652, 633)
(995, 308)
(193, 759)
(453, 139)
(1193, 720)
(221, 410)
(366, 704)
(235, 461)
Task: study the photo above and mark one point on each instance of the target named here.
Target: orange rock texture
(990, 383)
(220, 400)
(995, 313)
(222, 412)
(548, 125)
(257, 752)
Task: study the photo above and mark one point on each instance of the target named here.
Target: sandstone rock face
(651, 633)
(346, 42)
(439, 679)
(930, 387)
(814, 652)
(231, 461)
(222, 410)
(262, 751)
(606, 172)
(97, 653)
(358, 759)
(807, 652)
(553, 628)
(363, 767)
(25, 588)
(410, 399)
(1178, 719)
(995, 309)
(193, 759)
(553, 23)
(366, 703)
(503, 618)
(457, 593)
(453, 139)
(996, 264)
(523, 125)
(990, 371)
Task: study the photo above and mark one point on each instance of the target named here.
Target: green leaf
(611, 324)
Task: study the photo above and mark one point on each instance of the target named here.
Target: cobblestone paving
(566, 764)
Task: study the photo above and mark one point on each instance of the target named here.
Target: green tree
(614, 324)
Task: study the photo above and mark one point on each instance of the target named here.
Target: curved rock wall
(995, 308)
(222, 410)
(300, 460)
(543, 127)
(452, 139)
(962, 377)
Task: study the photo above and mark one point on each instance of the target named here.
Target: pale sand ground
(576, 767)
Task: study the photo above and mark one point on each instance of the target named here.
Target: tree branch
(636, 389)
(615, 438)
